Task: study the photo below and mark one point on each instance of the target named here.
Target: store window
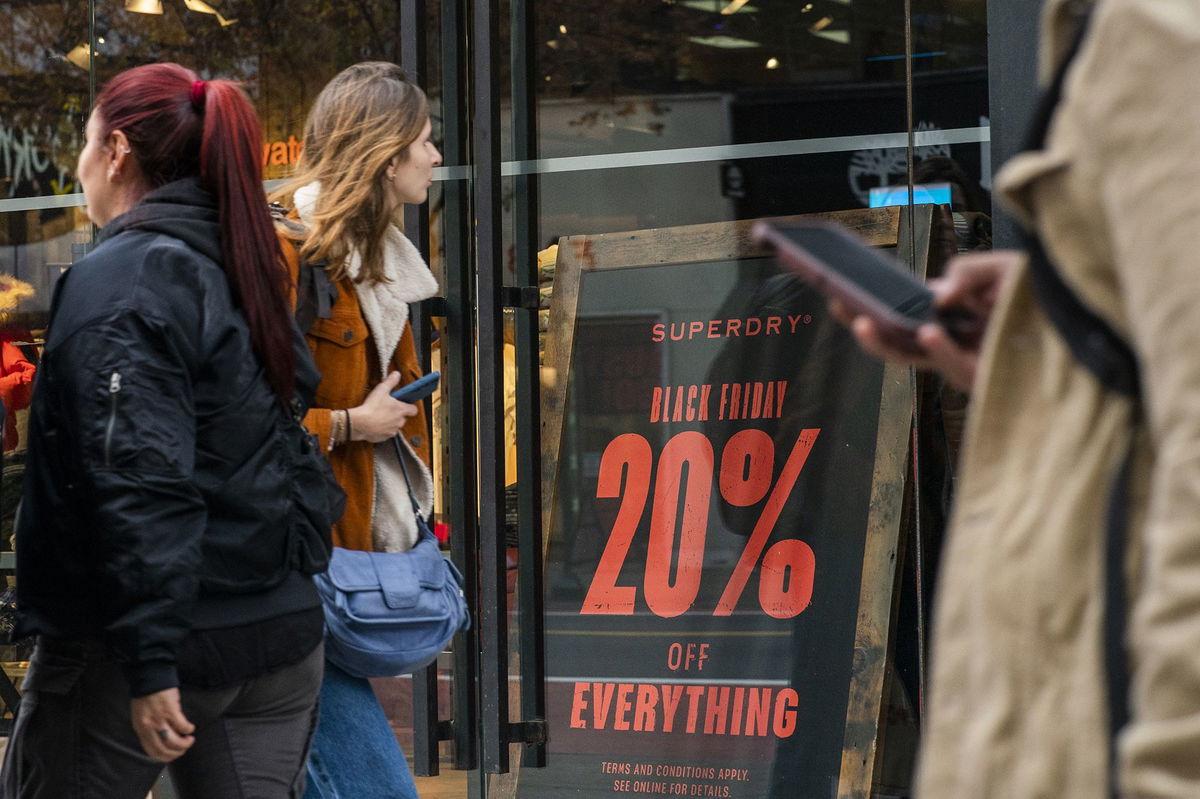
(649, 114)
(652, 117)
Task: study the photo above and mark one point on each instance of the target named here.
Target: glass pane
(951, 169)
(44, 96)
(950, 107)
(676, 112)
(707, 110)
(638, 75)
(44, 58)
(283, 53)
(641, 197)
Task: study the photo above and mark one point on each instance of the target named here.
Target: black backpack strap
(1090, 338)
(1112, 361)
(315, 292)
(306, 306)
(324, 289)
(1116, 660)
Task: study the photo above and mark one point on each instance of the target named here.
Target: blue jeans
(354, 753)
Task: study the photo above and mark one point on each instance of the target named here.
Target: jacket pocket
(55, 666)
(114, 391)
(339, 350)
(138, 410)
(340, 329)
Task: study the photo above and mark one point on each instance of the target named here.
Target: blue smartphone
(418, 389)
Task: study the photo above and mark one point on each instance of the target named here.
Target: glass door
(680, 645)
(687, 651)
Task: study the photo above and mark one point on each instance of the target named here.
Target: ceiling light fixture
(144, 6)
(78, 56)
(772, 63)
(724, 42)
(711, 6)
(562, 29)
(156, 7)
(820, 25)
(733, 7)
(204, 8)
(839, 36)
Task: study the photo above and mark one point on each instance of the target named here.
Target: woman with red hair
(165, 553)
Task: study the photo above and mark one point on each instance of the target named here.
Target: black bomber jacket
(156, 491)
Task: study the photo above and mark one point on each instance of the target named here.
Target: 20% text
(746, 472)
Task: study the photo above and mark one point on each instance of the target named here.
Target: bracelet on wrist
(337, 431)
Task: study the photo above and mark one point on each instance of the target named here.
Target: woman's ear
(119, 155)
(393, 165)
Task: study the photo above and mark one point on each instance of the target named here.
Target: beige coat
(1017, 704)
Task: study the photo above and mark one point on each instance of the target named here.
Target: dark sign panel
(706, 557)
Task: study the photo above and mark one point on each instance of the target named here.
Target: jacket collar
(182, 209)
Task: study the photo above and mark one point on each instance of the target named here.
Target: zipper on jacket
(114, 388)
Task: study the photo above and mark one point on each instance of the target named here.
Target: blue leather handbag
(389, 613)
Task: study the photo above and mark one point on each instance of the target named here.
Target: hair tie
(196, 95)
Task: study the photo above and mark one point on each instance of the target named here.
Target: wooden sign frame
(907, 230)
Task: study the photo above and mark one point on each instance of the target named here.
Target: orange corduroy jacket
(346, 356)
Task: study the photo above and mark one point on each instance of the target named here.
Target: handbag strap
(407, 482)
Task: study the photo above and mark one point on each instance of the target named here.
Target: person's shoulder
(132, 248)
(1149, 21)
(291, 233)
(110, 270)
(1173, 11)
(1139, 59)
(154, 274)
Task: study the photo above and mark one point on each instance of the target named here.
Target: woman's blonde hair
(363, 118)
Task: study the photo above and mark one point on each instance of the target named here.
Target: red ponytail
(179, 126)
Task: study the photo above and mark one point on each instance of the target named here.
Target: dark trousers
(73, 738)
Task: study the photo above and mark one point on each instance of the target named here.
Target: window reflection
(676, 46)
(822, 80)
